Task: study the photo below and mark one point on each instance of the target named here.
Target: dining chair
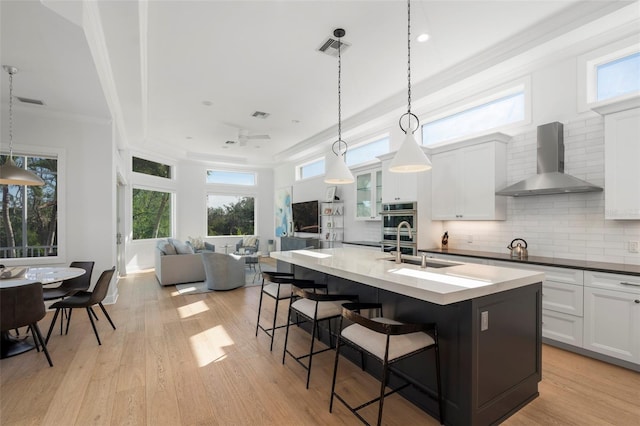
(86, 299)
(72, 285)
(22, 306)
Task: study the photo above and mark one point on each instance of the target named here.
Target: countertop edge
(612, 268)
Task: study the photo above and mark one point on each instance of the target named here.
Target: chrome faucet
(398, 253)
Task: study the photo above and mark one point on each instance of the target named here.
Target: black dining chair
(22, 306)
(71, 286)
(86, 299)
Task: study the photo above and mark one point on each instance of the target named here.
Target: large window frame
(61, 189)
(172, 198)
(316, 167)
(587, 75)
(242, 230)
(369, 149)
(482, 102)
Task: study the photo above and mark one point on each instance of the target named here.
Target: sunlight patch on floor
(191, 309)
(208, 346)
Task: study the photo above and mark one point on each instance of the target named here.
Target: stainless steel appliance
(392, 215)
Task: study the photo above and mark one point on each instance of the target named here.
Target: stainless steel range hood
(551, 178)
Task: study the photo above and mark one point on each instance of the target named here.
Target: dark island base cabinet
(487, 375)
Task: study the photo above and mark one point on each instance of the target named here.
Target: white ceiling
(160, 61)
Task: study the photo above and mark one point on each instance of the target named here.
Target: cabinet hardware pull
(632, 284)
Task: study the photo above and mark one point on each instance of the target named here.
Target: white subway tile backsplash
(568, 226)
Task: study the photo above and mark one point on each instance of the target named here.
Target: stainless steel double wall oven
(392, 215)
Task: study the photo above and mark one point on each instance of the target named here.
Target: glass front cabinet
(368, 195)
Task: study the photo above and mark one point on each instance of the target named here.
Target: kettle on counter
(518, 251)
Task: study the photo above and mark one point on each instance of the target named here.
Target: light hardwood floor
(194, 360)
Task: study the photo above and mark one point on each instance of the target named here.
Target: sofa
(179, 262)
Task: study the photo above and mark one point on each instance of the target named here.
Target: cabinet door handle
(631, 284)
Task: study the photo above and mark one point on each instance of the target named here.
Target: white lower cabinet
(612, 315)
(561, 327)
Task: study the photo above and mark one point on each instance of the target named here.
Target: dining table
(11, 345)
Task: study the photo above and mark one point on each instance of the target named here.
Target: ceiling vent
(30, 101)
(330, 47)
(260, 114)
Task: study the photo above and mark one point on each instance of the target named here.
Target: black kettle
(518, 251)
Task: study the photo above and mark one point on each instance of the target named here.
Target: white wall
(568, 226)
(190, 208)
(87, 210)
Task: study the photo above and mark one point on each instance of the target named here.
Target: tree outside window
(230, 215)
(151, 214)
(29, 217)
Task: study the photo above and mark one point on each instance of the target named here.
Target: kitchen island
(489, 324)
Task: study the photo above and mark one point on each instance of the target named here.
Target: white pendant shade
(337, 172)
(410, 158)
(10, 174)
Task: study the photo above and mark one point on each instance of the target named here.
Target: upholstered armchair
(249, 243)
(223, 271)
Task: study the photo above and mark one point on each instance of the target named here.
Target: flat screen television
(305, 217)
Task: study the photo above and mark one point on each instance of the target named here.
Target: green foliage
(140, 165)
(232, 219)
(151, 214)
(37, 204)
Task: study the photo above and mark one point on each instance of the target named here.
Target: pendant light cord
(10, 114)
(337, 145)
(409, 59)
(339, 89)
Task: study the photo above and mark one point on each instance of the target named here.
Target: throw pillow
(249, 240)
(196, 242)
(166, 248)
(181, 248)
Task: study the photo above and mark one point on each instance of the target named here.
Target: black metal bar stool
(388, 341)
(314, 307)
(276, 285)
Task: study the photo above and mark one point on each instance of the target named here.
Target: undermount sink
(417, 260)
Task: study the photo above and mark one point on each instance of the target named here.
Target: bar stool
(278, 287)
(388, 341)
(314, 307)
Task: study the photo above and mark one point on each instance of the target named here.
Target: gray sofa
(176, 262)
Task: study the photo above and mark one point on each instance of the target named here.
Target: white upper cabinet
(398, 187)
(368, 194)
(621, 160)
(465, 178)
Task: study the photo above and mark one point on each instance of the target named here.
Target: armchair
(223, 271)
(249, 243)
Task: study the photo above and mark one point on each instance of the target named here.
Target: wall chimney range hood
(550, 178)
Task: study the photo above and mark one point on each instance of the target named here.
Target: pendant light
(410, 157)
(337, 170)
(10, 174)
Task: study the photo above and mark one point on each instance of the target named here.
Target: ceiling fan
(244, 136)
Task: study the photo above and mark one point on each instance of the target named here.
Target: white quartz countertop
(443, 286)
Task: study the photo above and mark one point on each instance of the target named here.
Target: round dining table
(10, 345)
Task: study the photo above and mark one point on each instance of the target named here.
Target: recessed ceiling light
(188, 137)
(423, 37)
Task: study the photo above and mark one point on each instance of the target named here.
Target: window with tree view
(151, 214)
(29, 220)
(230, 215)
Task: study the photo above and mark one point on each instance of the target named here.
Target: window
(367, 151)
(490, 115)
(231, 178)
(147, 167)
(230, 215)
(314, 168)
(618, 77)
(29, 220)
(151, 214)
